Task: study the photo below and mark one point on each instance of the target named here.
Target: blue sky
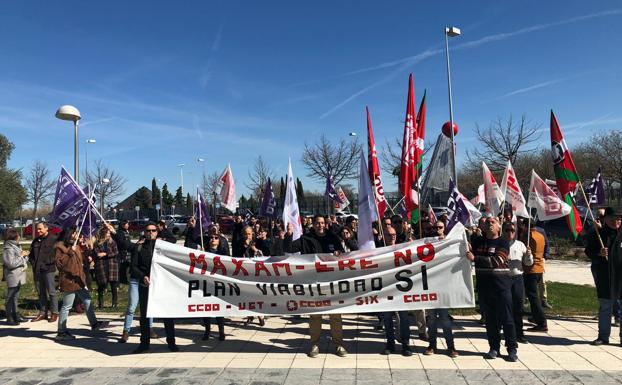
(162, 83)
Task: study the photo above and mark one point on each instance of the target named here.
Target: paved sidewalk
(276, 354)
(575, 272)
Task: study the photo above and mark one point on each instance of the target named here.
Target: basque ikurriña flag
(374, 169)
(566, 176)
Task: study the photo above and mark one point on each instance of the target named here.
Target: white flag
(367, 209)
(492, 192)
(226, 189)
(513, 193)
(545, 201)
(291, 213)
(473, 211)
(480, 197)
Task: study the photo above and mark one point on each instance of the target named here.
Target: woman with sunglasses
(519, 255)
(214, 246)
(348, 242)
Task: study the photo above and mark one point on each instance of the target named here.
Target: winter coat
(124, 245)
(41, 255)
(70, 266)
(106, 268)
(615, 267)
(14, 264)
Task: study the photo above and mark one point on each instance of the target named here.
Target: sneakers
(492, 354)
(388, 349)
(599, 341)
(64, 336)
(341, 351)
(173, 347)
(512, 356)
(429, 351)
(539, 328)
(314, 352)
(99, 325)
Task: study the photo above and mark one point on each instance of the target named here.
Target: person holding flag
(606, 269)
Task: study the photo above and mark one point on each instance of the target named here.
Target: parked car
(51, 227)
(178, 225)
(138, 225)
(226, 223)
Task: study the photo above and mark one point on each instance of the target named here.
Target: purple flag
(268, 205)
(89, 228)
(456, 209)
(70, 202)
(596, 190)
(331, 193)
(201, 215)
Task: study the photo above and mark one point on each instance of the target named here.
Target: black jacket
(41, 255)
(601, 267)
(167, 235)
(303, 245)
(124, 245)
(141, 260)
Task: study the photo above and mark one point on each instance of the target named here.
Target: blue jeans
(436, 318)
(132, 302)
(389, 328)
(68, 299)
(605, 309)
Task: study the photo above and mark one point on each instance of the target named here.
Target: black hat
(610, 211)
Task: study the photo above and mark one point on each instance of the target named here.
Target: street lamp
(102, 182)
(181, 171)
(86, 157)
(352, 134)
(202, 161)
(160, 211)
(451, 32)
(71, 113)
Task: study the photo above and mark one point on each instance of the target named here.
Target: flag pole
(91, 193)
(200, 218)
(419, 207)
(397, 204)
(589, 209)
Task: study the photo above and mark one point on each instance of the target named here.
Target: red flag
(566, 176)
(374, 169)
(420, 132)
(407, 168)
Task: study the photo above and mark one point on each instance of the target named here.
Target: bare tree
(324, 158)
(503, 140)
(392, 156)
(108, 183)
(39, 185)
(258, 176)
(209, 185)
(604, 150)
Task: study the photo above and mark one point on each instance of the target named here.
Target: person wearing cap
(606, 269)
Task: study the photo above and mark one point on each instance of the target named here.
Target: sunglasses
(439, 227)
(214, 237)
(151, 231)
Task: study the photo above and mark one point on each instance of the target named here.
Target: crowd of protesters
(508, 255)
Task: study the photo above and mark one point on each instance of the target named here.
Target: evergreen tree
(300, 194)
(155, 193)
(189, 203)
(12, 192)
(167, 197)
(282, 190)
(179, 198)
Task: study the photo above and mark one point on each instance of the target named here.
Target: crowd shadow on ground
(362, 335)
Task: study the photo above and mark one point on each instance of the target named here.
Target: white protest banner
(424, 274)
